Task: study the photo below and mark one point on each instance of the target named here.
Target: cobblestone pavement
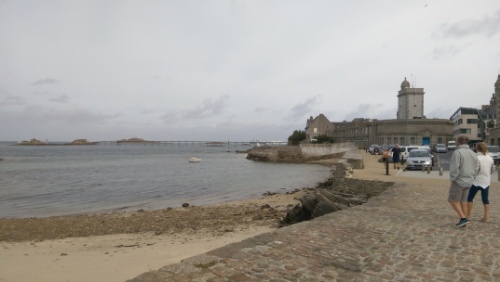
(407, 233)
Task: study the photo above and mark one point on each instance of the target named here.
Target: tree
(490, 124)
(296, 137)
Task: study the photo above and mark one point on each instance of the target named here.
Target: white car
(494, 152)
(440, 148)
(451, 145)
(418, 158)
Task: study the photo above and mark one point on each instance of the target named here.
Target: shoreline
(114, 190)
(121, 245)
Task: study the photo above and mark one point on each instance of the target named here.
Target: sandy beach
(118, 246)
(106, 258)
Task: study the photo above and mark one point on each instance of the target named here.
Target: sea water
(41, 181)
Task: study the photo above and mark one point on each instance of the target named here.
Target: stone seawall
(344, 152)
(327, 149)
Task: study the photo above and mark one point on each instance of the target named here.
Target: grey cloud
(260, 110)
(147, 111)
(443, 113)
(42, 93)
(209, 108)
(43, 81)
(371, 111)
(445, 52)
(36, 114)
(9, 100)
(80, 116)
(487, 26)
(303, 109)
(169, 117)
(61, 99)
(162, 77)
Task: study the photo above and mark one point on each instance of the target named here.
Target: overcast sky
(234, 70)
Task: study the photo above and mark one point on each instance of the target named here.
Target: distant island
(36, 142)
(139, 141)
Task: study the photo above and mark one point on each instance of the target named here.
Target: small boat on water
(194, 160)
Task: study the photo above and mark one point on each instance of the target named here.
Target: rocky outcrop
(33, 141)
(82, 142)
(336, 193)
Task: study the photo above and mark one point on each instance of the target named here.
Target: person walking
(482, 181)
(396, 155)
(464, 167)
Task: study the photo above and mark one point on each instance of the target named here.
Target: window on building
(402, 140)
(412, 141)
(464, 130)
(440, 140)
(472, 121)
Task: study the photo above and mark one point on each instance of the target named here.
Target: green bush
(324, 139)
(296, 137)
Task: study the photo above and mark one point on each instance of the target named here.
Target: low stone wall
(346, 152)
(327, 149)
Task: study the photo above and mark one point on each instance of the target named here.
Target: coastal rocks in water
(336, 193)
(82, 142)
(33, 141)
(185, 205)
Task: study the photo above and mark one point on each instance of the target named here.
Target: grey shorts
(458, 193)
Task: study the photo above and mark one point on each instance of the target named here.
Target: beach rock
(185, 205)
(336, 193)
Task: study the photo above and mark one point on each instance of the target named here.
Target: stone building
(494, 133)
(411, 131)
(410, 128)
(319, 125)
(488, 114)
(356, 131)
(468, 121)
(410, 101)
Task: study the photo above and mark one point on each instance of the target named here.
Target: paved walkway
(405, 234)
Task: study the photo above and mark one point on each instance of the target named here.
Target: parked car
(494, 152)
(372, 147)
(440, 148)
(451, 145)
(419, 158)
